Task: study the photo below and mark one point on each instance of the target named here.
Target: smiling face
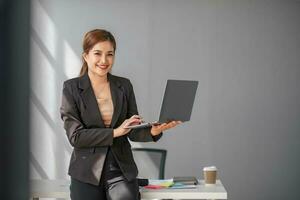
(100, 59)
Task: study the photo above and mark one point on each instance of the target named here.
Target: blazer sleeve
(142, 134)
(78, 135)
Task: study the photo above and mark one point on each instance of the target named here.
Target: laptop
(177, 103)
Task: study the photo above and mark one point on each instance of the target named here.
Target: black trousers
(113, 185)
(117, 188)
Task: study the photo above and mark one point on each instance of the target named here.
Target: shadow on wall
(50, 56)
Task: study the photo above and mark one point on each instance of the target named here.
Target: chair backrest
(150, 162)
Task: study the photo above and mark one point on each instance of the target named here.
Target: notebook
(185, 180)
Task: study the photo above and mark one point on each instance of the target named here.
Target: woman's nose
(103, 59)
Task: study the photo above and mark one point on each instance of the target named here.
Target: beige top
(106, 107)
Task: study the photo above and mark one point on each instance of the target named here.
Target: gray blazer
(88, 135)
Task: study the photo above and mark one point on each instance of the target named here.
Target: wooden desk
(60, 189)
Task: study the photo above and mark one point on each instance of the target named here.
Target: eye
(97, 54)
(111, 54)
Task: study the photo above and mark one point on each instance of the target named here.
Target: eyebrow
(101, 51)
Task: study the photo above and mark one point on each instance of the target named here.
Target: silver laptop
(177, 103)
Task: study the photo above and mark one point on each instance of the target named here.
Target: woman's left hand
(157, 129)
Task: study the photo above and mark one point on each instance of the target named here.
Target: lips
(103, 66)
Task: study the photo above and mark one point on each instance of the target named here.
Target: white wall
(245, 55)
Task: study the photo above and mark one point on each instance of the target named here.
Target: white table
(60, 189)
(45, 188)
(201, 191)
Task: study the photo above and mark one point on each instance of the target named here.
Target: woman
(96, 109)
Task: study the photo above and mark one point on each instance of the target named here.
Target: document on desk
(182, 186)
(159, 183)
(167, 184)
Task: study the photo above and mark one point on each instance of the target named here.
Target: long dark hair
(90, 39)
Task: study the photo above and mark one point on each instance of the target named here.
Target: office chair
(150, 162)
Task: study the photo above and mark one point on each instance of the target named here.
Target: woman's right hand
(122, 130)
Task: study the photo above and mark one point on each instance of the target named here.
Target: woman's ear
(84, 55)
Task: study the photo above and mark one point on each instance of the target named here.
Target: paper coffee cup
(210, 175)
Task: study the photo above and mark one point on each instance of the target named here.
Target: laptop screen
(178, 100)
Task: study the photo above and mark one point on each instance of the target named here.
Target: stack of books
(184, 182)
(187, 180)
(159, 184)
(179, 182)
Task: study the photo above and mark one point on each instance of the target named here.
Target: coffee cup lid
(210, 168)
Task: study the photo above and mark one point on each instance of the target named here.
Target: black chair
(150, 162)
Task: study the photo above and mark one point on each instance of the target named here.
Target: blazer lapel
(89, 99)
(117, 95)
